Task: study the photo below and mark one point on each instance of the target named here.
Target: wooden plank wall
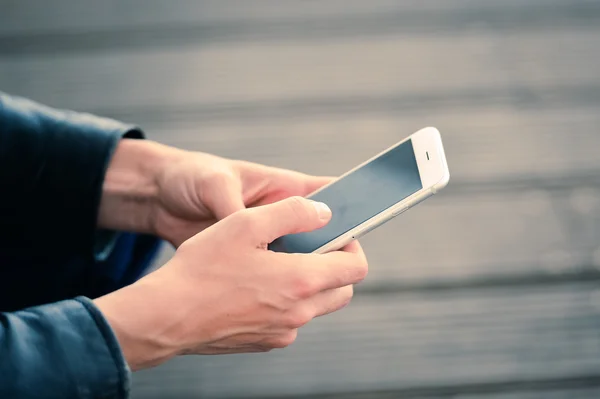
(491, 289)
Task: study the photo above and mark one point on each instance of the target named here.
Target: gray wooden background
(489, 290)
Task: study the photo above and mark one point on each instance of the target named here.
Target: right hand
(224, 292)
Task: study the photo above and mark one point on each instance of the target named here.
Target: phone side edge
(376, 221)
(446, 171)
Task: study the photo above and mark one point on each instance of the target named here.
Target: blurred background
(489, 290)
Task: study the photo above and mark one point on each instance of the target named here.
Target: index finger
(331, 270)
(355, 248)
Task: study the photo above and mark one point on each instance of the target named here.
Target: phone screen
(358, 197)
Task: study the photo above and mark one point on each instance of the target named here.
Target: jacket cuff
(117, 371)
(64, 349)
(54, 163)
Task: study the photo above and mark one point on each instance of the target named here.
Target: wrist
(140, 323)
(130, 189)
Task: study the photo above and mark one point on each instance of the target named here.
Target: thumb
(225, 199)
(289, 216)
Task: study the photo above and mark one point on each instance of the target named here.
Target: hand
(223, 292)
(199, 189)
(175, 194)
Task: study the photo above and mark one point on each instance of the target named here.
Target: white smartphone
(374, 192)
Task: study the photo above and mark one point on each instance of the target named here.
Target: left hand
(180, 193)
(199, 189)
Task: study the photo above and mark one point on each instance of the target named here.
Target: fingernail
(322, 210)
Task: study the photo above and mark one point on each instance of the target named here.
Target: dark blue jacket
(52, 165)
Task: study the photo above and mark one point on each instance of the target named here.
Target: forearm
(129, 190)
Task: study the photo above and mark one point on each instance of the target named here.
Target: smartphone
(374, 192)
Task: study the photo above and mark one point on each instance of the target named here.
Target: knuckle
(297, 317)
(361, 269)
(348, 293)
(364, 270)
(297, 206)
(347, 296)
(342, 297)
(302, 287)
(218, 177)
(284, 340)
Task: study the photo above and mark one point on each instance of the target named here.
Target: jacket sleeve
(62, 350)
(52, 165)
